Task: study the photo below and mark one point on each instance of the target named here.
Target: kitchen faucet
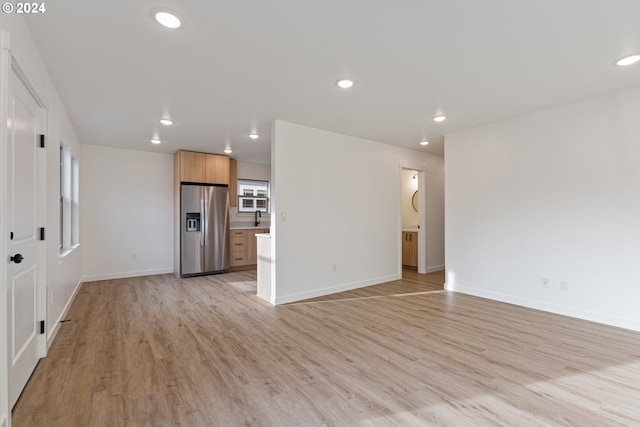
(258, 215)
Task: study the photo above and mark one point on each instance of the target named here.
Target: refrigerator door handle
(203, 220)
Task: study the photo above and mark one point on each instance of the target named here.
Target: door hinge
(42, 326)
(41, 233)
(11, 236)
(41, 141)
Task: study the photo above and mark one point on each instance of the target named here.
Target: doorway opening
(413, 231)
(413, 248)
(409, 204)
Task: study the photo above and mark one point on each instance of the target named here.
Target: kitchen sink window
(253, 195)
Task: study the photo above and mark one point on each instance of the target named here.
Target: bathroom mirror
(414, 201)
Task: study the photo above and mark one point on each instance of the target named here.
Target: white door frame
(422, 216)
(5, 69)
(8, 65)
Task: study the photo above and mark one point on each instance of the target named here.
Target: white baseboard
(435, 268)
(53, 332)
(284, 299)
(126, 274)
(3, 421)
(606, 319)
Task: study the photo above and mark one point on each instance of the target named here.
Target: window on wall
(69, 236)
(75, 196)
(253, 195)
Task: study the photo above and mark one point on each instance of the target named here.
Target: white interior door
(24, 281)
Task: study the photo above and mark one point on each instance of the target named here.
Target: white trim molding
(126, 274)
(54, 331)
(284, 299)
(435, 268)
(5, 69)
(549, 307)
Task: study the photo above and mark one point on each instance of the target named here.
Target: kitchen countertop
(247, 227)
(408, 230)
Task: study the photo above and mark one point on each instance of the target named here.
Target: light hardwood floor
(411, 282)
(207, 352)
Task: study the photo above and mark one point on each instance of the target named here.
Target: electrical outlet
(134, 257)
(564, 286)
(53, 295)
(334, 267)
(544, 282)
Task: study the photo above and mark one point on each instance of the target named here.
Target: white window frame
(75, 202)
(252, 192)
(69, 237)
(61, 210)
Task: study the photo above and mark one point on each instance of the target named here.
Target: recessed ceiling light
(228, 150)
(344, 84)
(628, 60)
(168, 18)
(166, 122)
(254, 135)
(424, 142)
(156, 141)
(439, 118)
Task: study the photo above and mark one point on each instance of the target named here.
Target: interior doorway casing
(422, 222)
(5, 67)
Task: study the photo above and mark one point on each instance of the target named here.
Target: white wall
(260, 172)
(127, 206)
(435, 221)
(254, 171)
(341, 197)
(553, 194)
(62, 275)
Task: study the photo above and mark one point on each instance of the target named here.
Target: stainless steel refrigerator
(204, 234)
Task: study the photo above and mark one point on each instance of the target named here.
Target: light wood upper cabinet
(216, 169)
(202, 167)
(192, 166)
(233, 183)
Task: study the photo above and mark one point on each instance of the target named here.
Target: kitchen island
(264, 291)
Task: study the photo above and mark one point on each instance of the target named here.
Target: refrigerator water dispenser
(193, 221)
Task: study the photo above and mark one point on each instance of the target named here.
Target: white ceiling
(240, 64)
